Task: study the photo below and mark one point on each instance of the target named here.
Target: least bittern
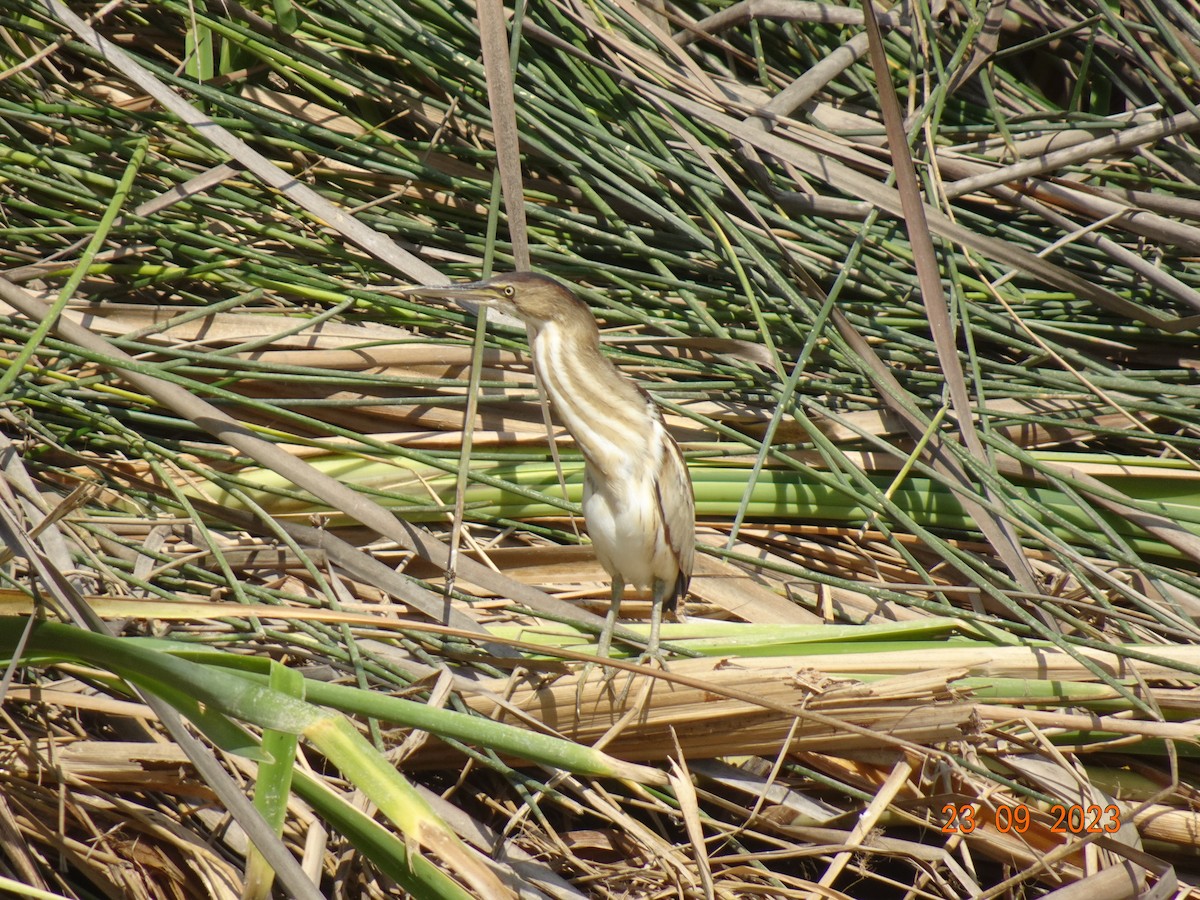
(637, 497)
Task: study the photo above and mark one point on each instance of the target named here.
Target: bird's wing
(677, 509)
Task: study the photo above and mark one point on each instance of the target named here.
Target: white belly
(628, 535)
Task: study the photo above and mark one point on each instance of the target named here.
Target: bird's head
(535, 299)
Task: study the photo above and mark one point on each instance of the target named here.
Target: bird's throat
(605, 412)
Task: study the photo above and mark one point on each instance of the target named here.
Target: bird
(638, 504)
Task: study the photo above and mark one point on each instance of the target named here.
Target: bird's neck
(607, 415)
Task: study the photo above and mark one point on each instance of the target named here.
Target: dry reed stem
(656, 717)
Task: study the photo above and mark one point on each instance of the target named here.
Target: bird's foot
(608, 675)
(652, 658)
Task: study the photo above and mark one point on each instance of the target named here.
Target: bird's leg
(651, 655)
(606, 636)
(610, 620)
(656, 612)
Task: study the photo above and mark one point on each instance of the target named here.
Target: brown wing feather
(677, 512)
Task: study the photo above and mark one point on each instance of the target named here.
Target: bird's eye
(509, 290)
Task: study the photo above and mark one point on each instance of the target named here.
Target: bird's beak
(471, 291)
(468, 295)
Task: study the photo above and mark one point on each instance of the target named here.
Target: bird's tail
(673, 602)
